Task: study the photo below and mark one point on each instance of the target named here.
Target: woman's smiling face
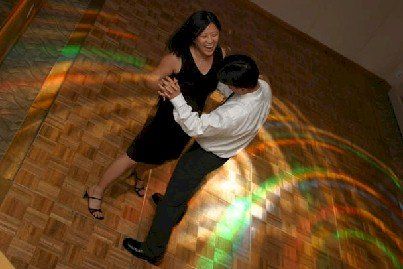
(207, 41)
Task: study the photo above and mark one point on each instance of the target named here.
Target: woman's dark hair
(239, 71)
(184, 37)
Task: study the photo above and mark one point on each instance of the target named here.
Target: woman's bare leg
(116, 169)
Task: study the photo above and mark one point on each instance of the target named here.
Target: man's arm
(224, 89)
(219, 121)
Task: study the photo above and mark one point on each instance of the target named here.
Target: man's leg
(186, 179)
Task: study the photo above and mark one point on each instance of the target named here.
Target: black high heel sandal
(93, 210)
(137, 179)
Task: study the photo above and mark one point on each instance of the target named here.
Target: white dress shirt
(230, 127)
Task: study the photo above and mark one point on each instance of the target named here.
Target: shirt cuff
(178, 101)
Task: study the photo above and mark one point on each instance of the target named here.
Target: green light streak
(72, 51)
(204, 263)
(272, 182)
(236, 217)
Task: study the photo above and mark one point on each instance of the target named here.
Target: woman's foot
(94, 196)
(139, 184)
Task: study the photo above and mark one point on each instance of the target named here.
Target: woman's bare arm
(169, 64)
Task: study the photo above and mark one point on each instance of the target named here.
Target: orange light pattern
(325, 213)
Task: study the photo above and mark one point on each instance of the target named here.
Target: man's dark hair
(184, 37)
(239, 71)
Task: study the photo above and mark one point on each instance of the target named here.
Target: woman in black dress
(193, 60)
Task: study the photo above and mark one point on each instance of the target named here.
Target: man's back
(242, 116)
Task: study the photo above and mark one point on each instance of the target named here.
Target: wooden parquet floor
(287, 201)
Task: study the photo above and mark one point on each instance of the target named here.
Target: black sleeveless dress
(161, 138)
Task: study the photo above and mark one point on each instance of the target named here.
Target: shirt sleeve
(220, 121)
(224, 89)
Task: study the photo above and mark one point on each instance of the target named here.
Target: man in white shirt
(219, 135)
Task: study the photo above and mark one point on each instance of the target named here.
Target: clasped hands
(169, 88)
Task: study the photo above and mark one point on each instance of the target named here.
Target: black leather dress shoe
(157, 197)
(135, 248)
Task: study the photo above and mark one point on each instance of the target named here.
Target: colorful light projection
(349, 233)
(330, 211)
(295, 125)
(394, 212)
(339, 146)
(71, 51)
(108, 18)
(236, 218)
